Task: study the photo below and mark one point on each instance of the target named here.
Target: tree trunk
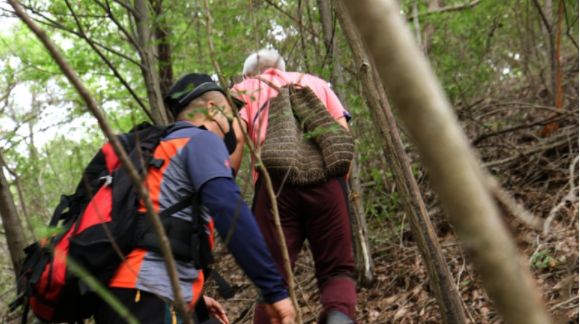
(550, 33)
(21, 199)
(11, 223)
(362, 251)
(336, 78)
(440, 278)
(430, 28)
(363, 259)
(152, 83)
(162, 32)
(452, 166)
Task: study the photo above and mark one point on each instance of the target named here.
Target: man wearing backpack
(194, 158)
(319, 212)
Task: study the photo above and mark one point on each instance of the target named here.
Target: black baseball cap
(191, 86)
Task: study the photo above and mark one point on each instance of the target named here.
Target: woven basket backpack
(304, 145)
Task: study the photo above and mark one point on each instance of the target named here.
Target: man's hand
(215, 310)
(281, 312)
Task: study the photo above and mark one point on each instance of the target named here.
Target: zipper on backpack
(138, 296)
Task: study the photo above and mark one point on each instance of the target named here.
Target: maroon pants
(319, 214)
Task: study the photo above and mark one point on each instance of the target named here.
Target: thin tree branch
(569, 26)
(54, 24)
(109, 64)
(312, 32)
(417, 27)
(543, 15)
(126, 6)
(20, 196)
(523, 105)
(534, 149)
(118, 24)
(569, 197)
(302, 38)
(120, 152)
(457, 7)
(509, 203)
(516, 128)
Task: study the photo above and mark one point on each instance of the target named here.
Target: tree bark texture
(362, 251)
(363, 259)
(430, 28)
(12, 226)
(152, 83)
(23, 205)
(445, 152)
(440, 278)
(336, 78)
(551, 36)
(162, 33)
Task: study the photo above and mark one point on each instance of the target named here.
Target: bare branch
(15, 238)
(457, 7)
(120, 152)
(120, 26)
(569, 197)
(416, 23)
(109, 64)
(516, 128)
(126, 6)
(535, 149)
(20, 197)
(506, 200)
(54, 24)
(543, 15)
(569, 25)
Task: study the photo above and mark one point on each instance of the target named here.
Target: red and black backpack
(104, 197)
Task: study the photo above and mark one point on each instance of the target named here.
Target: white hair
(259, 62)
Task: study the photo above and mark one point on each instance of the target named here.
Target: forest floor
(401, 294)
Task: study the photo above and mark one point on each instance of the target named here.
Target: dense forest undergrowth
(497, 62)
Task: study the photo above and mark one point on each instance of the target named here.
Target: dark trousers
(145, 307)
(319, 214)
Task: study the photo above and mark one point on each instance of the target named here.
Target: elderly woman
(317, 213)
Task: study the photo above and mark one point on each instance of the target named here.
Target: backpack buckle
(158, 163)
(106, 180)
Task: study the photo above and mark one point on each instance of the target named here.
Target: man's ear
(213, 109)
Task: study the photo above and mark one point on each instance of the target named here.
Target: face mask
(230, 137)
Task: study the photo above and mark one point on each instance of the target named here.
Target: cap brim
(210, 86)
(215, 87)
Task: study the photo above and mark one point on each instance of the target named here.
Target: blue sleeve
(221, 197)
(205, 157)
